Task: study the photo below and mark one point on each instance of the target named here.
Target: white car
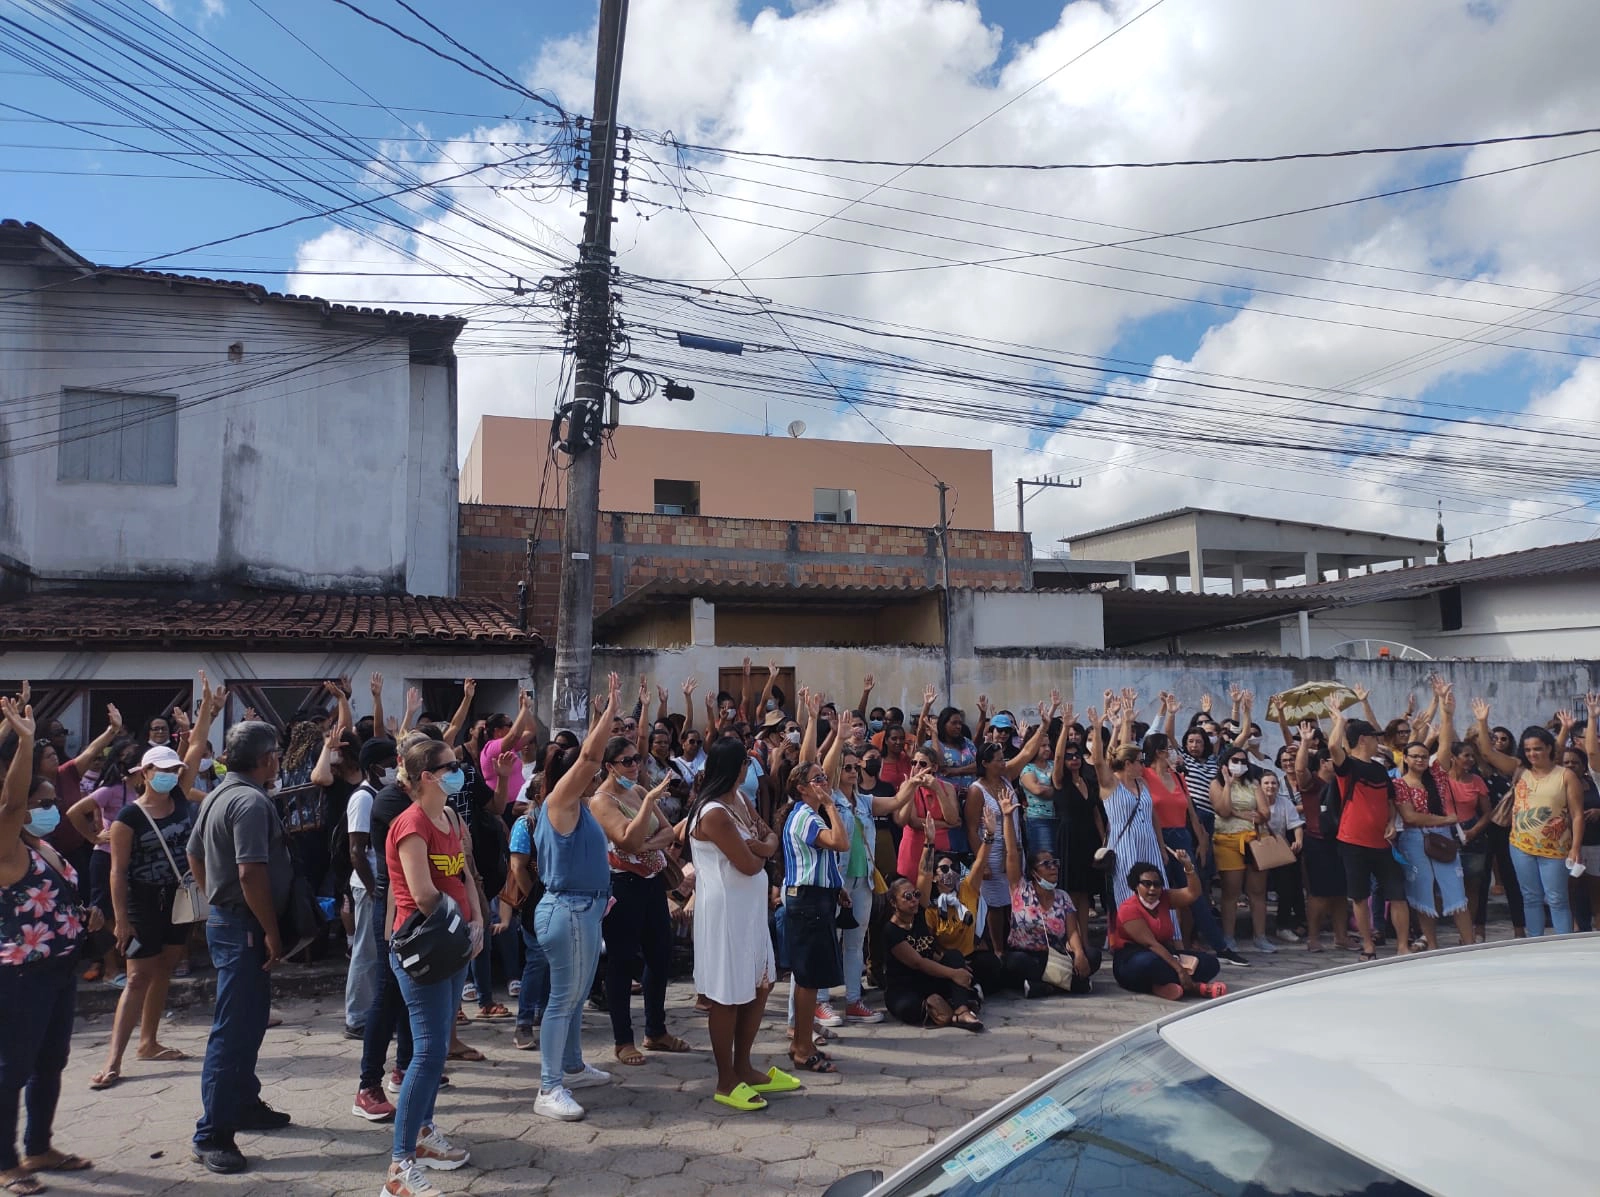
(1468, 1071)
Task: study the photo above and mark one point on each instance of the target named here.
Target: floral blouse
(41, 914)
(1034, 927)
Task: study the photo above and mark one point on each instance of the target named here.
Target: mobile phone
(133, 947)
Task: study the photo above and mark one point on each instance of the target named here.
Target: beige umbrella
(1313, 700)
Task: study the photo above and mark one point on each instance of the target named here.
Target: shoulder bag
(188, 906)
(1268, 852)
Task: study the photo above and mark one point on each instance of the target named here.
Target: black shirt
(387, 805)
(148, 864)
(902, 976)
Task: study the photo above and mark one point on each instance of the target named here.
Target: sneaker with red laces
(407, 1179)
(861, 1012)
(372, 1105)
(827, 1016)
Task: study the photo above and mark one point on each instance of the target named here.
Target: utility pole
(1043, 483)
(944, 583)
(592, 353)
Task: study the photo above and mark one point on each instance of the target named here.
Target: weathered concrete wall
(314, 457)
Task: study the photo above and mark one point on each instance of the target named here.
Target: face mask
(793, 737)
(388, 775)
(871, 768)
(163, 783)
(875, 726)
(1172, 758)
(772, 704)
(1148, 903)
(452, 782)
(206, 764)
(334, 758)
(158, 737)
(1254, 740)
(823, 728)
(272, 790)
(1043, 886)
(42, 821)
(1238, 768)
(622, 781)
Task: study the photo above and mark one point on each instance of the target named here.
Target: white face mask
(793, 737)
(1043, 886)
(1149, 903)
(1238, 768)
(206, 763)
(389, 775)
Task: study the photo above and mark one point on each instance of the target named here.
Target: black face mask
(823, 728)
(871, 768)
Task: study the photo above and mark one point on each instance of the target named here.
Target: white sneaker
(586, 1077)
(514, 988)
(407, 1179)
(435, 1151)
(1265, 945)
(469, 992)
(1288, 936)
(558, 1103)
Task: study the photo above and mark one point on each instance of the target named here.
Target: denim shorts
(813, 944)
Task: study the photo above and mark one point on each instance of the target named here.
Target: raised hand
(1055, 703)
(644, 690)
(866, 683)
(250, 714)
(1567, 722)
(991, 821)
(1361, 693)
(929, 694)
(772, 668)
(1130, 697)
(661, 695)
(814, 703)
(928, 830)
(1480, 710)
(1066, 714)
(1093, 716)
(747, 666)
(390, 724)
(1234, 693)
(983, 706)
(113, 717)
(413, 699)
(1591, 702)
(346, 685)
(1205, 703)
(470, 688)
(1308, 730)
(18, 716)
(180, 720)
(376, 685)
(613, 688)
(1447, 699)
(688, 687)
(330, 738)
(1008, 805)
(1247, 700)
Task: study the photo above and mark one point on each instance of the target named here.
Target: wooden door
(731, 679)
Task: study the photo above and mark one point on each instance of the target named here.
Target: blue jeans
(535, 981)
(1423, 872)
(228, 1084)
(502, 947)
(568, 927)
(1041, 837)
(852, 943)
(1205, 919)
(432, 1010)
(1543, 882)
(361, 982)
(35, 1037)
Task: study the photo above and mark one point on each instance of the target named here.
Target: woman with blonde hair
(1131, 832)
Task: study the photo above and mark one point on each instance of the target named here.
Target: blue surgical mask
(452, 782)
(772, 704)
(163, 783)
(875, 726)
(622, 781)
(42, 821)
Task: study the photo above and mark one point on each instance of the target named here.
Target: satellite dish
(797, 429)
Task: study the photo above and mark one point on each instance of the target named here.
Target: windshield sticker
(1029, 1127)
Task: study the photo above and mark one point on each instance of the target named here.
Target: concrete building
(210, 435)
(674, 471)
(1239, 550)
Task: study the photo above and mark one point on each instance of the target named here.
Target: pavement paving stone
(655, 1130)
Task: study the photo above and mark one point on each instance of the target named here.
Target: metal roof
(26, 232)
(1164, 516)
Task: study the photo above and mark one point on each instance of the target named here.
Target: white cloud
(896, 78)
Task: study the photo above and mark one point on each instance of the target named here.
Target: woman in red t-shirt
(427, 856)
(1145, 958)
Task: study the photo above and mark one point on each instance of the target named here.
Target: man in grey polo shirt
(238, 854)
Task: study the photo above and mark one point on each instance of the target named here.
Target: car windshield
(1143, 1119)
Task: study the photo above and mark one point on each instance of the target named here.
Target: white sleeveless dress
(732, 949)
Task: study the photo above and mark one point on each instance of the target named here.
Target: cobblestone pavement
(655, 1130)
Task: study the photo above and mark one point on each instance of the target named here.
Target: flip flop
(470, 1054)
(743, 1098)
(667, 1043)
(1212, 989)
(778, 1081)
(628, 1054)
(105, 1079)
(815, 1062)
(56, 1161)
(24, 1185)
(165, 1054)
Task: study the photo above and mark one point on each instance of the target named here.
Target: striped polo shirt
(803, 862)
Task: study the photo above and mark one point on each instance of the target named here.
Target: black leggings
(35, 1038)
(1139, 970)
(387, 1020)
(1499, 841)
(638, 923)
(1023, 966)
(905, 999)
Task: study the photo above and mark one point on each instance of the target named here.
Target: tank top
(1242, 796)
(41, 914)
(576, 862)
(1171, 802)
(644, 864)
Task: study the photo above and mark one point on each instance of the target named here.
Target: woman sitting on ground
(926, 985)
(1042, 916)
(950, 900)
(1145, 956)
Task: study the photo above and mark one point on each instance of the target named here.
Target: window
(675, 497)
(833, 506)
(111, 437)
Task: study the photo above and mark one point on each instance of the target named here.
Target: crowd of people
(940, 862)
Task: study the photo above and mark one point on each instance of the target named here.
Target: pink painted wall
(741, 476)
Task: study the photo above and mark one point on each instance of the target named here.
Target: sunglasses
(944, 868)
(1149, 883)
(447, 767)
(632, 759)
(849, 768)
(1045, 862)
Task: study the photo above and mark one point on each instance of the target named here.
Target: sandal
(166, 1054)
(92, 973)
(743, 1098)
(968, 1021)
(493, 1010)
(24, 1184)
(461, 1018)
(470, 1054)
(105, 1079)
(815, 1062)
(627, 1054)
(667, 1043)
(1212, 989)
(778, 1081)
(56, 1161)
(1365, 955)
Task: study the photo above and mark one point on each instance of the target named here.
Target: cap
(376, 753)
(1003, 720)
(160, 757)
(1357, 728)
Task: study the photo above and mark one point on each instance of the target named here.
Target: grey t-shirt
(239, 825)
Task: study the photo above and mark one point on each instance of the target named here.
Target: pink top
(518, 780)
(1461, 797)
(111, 800)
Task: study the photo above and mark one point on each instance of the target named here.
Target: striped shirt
(1198, 775)
(803, 862)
